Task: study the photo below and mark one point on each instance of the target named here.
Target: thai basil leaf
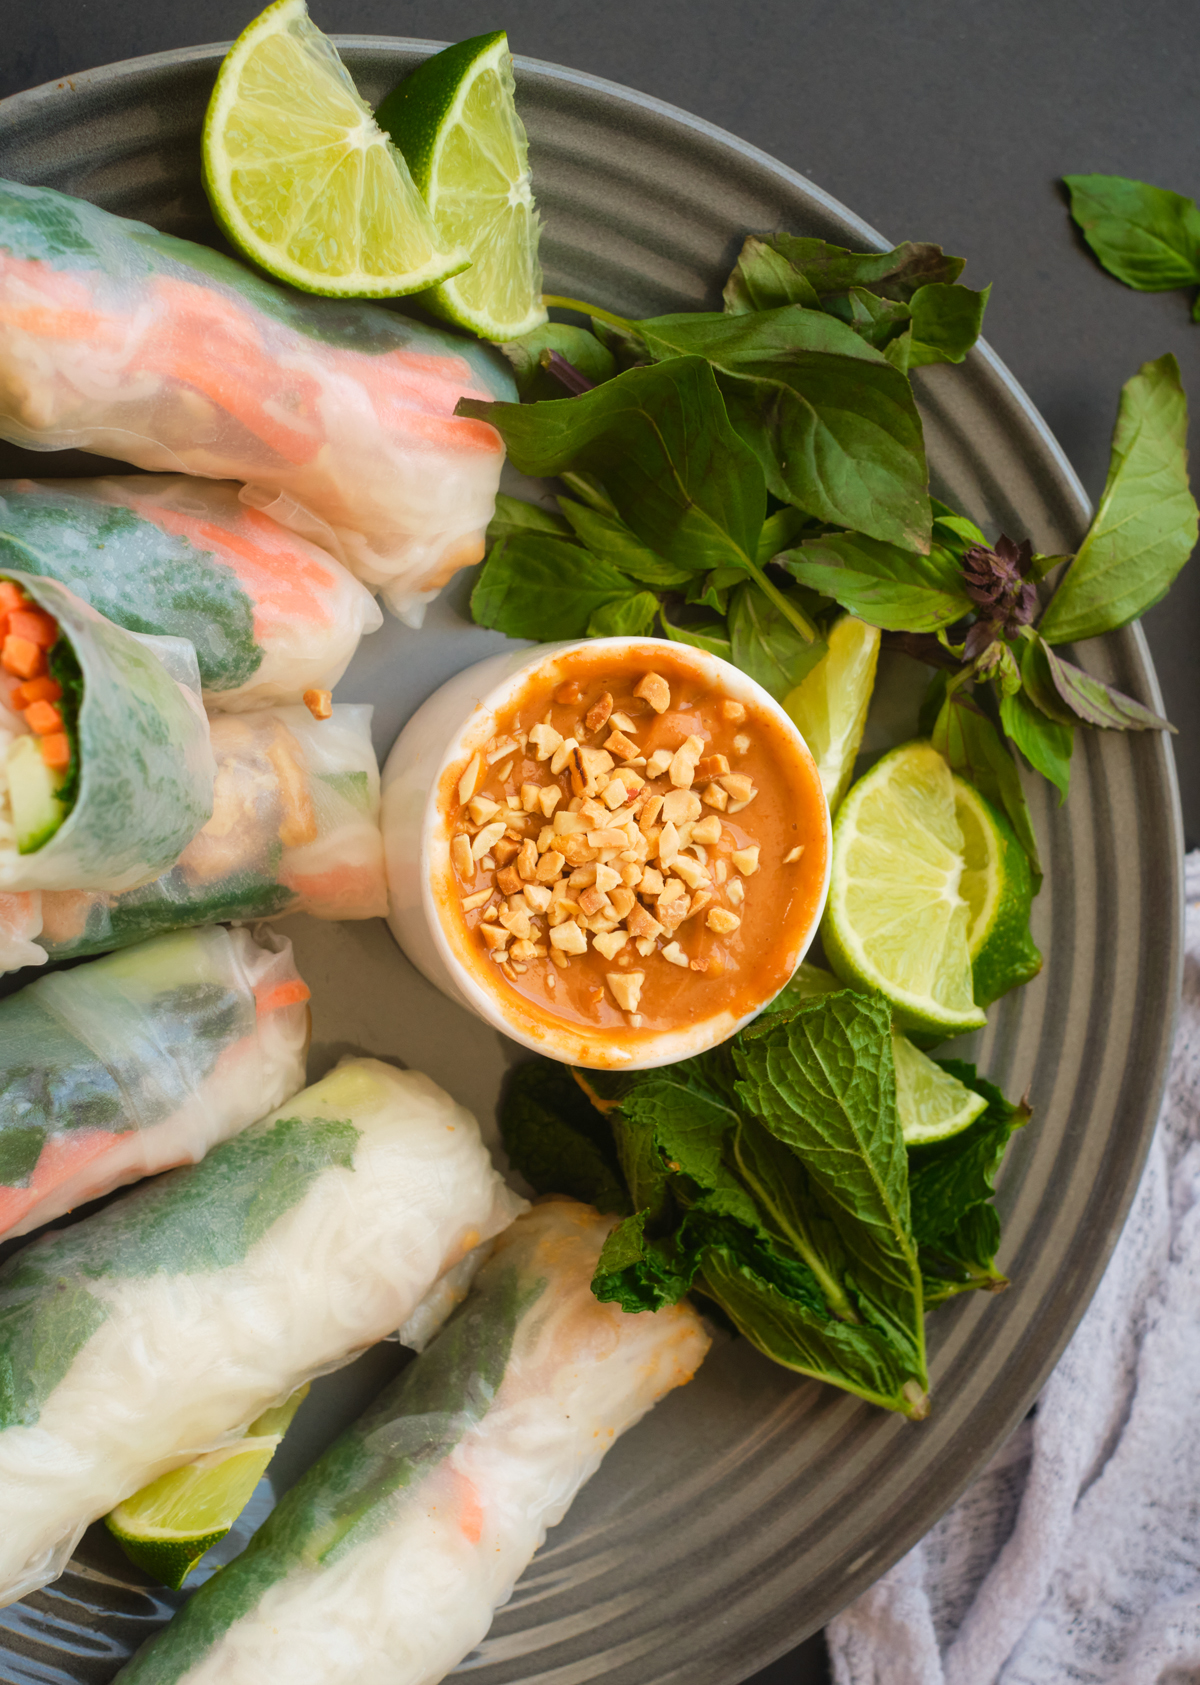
(609, 537)
(542, 587)
(946, 322)
(515, 516)
(663, 447)
(823, 1083)
(1046, 744)
(835, 428)
(1097, 703)
(628, 617)
(897, 590)
(581, 349)
(1146, 524)
(709, 634)
(973, 748)
(763, 279)
(1145, 236)
(778, 531)
(767, 646)
(833, 269)
(1039, 681)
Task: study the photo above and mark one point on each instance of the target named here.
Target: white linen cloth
(1074, 1559)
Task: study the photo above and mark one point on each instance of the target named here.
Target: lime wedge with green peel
(169, 1525)
(997, 886)
(455, 120)
(896, 919)
(829, 705)
(930, 1103)
(303, 181)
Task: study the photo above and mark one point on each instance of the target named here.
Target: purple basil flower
(997, 583)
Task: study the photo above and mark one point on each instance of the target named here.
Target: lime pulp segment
(829, 706)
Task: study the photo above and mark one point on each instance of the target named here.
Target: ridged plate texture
(752, 1505)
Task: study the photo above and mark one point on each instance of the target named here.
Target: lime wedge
(829, 705)
(896, 920)
(168, 1526)
(997, 886)
(930, 1103)
(455, 120)
(301, 179)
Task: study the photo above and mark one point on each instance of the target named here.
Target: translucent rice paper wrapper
(339, 416)
(162, 1326)
(385, 1564)
(146, 768)
(269, 614)
(132, 1064)
(294, 829)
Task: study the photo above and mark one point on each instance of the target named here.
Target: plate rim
(1069, 484)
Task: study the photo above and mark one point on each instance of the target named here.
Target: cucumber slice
(33, 795)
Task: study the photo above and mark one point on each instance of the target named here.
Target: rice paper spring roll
(106, 773)
(163, 1325)
(385, 1563)
(339, 416)
(269, 614)
(295, 828)
(144, 1060)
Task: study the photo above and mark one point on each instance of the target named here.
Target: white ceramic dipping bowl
(460, 718)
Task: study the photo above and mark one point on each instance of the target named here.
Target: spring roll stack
(163, 1325)
(384, 1565)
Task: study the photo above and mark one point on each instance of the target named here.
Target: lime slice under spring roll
(163, 1325)
(144, 1060)
(384, 1565)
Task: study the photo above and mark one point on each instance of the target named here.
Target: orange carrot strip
(59, 1159)
(11, 596)
(44, 689)
(283, 994)
(35, 624)
(56, 751)
(22, 657)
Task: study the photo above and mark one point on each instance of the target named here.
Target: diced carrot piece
(22, 658)
(44, 689)
(319, 703)
(44, 718)
(34, 624)
(11, 596)
(56, 751)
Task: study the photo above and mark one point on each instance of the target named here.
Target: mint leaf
(951, 1185)
(823, 1083)
(834, 427)
(887, 587)
(557, 1140)
(1145, 236)
(541, 587)
(1145, 527)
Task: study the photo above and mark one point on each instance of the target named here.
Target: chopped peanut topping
(745, 860)
(793, 855)
(319, 703)
(620, 746)
(684, 761)
(734, 712)
(568, 938)
(469, 779)
(722, 921)
(626, 988)
(675, 954)
(655, 690)
(598, 713)
(461, 857)
(549, 866)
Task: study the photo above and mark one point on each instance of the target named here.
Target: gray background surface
(945, 120)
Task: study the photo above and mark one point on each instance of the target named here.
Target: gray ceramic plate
(753, 1505)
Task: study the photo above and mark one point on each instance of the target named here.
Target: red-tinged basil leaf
(1045, 743)
(1145, 236)
(763, 279)
(1146, 525)
(973, 748)
(895, 589)
(834, 426)
(1039, 681)
(1099, 704)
